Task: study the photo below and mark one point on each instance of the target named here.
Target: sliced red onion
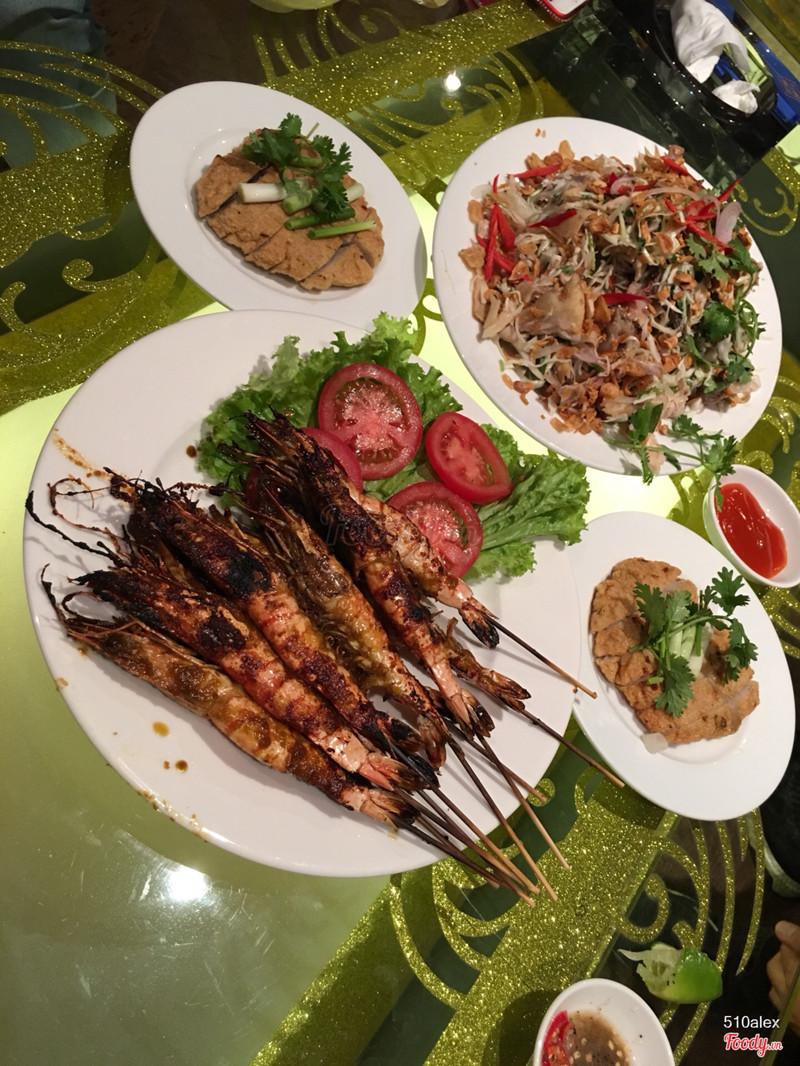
(726, 221)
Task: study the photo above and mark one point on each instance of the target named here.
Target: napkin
(700, 32)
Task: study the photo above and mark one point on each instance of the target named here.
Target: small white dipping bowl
(625, 1011)
(778, 507)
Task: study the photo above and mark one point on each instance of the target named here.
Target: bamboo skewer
(502, 819)
(538, 655)
(529, 789)
(497, 875)
(497, 852)
(534, 817)
(572, 747)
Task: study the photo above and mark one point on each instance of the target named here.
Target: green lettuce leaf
(549, 498)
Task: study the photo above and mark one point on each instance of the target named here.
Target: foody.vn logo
(759, 1044)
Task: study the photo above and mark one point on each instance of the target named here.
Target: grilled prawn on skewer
(368, 547)
(221, 635)
(215, 547)
(348, 616)
(208, 692)
(427, 569)
(413, 548)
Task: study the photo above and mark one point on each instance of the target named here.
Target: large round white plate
(176, 140)
(505, 153)
(138, 414)
(710, 779)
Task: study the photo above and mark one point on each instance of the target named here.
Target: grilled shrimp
(427, 569)
(220, 552)
(372, 557)
(349, 615)
(226, 638)
(208, 692)
(421, 561)
(465, 664)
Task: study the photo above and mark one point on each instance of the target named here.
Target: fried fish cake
(716, 709)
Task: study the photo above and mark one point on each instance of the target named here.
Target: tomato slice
(339, 450)
(449, 522)
(375, 413)
(464, 457)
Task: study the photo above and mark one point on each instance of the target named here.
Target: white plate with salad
(174, 143)
(173, 379)
(709, 779)
(574, 302)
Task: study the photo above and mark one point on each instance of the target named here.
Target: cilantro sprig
(309, 164)
(715, 452)
(739, 321)
(674, 631)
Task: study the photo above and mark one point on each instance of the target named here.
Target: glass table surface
(125, 938)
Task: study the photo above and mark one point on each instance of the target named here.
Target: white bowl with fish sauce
(634, 1028)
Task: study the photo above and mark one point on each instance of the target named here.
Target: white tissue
(700, 32)
(738, 94)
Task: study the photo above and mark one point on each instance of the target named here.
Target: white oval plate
(505, 153)
(176, 140)
(138, 414)
(710, 779)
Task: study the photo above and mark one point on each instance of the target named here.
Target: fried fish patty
(715, 709)
(257, 230)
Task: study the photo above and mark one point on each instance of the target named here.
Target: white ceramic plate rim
(506, 152)
(176, 140)
(625, 1010)
(169, 380)
(708, 779)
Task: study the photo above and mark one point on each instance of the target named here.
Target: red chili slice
(465, 458)
(450, 523)
(340, 451)
(539, 172)
(704, 233)
(554, 220)
(375, 413)
(490, 247)
(677, 167)
(507, 236)
(622, 297)
(726, 192)
(554, 1053)
(497, 259)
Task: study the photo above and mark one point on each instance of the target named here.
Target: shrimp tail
(386, 772)
(492, 682)
(381, 806)
(477, 621)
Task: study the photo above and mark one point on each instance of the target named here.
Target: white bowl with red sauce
(758, 529)
(631, 1023)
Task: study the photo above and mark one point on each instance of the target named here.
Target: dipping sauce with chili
(583, 1038)
(755, 538)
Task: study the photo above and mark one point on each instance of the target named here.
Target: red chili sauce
(753, 536)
